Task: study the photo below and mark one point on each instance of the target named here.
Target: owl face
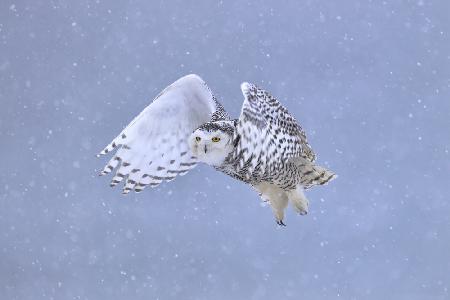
(211, 145)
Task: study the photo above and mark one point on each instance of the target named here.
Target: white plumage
(185, 124)
(154, 146)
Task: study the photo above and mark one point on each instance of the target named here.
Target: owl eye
(197, 138)
(215, 139)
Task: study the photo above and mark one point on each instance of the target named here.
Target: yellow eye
(197, 138)
(215, 139)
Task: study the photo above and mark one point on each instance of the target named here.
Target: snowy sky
(368, 80)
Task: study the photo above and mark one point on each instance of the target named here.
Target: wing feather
(154, 147)
(269, 135)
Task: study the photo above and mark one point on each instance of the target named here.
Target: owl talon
(280, 222)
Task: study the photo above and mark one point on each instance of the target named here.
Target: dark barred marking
(110, 167)
(172, 161)
(250, 116)
(177, 171)
(223, 126)
(126, 147)
(308, 172)
(183, 153)
(125, 164)
(120, 175)
(327, 179)
(188, 164)
(135, 170)
(236, 141)
(160, 168)
(163, 177)
(123, 135)
(317, 178)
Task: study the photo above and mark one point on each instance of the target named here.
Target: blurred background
(368, 80)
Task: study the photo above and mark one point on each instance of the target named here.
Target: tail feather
(316, 175)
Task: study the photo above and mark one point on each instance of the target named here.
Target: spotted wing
(154, 146)
(269, 135)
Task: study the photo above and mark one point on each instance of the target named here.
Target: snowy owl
(185, 124)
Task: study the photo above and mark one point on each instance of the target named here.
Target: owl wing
(154, 146)
(269, 135)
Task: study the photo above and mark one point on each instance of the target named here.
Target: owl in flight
(185, 124)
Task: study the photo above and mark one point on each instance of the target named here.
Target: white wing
(154, 146)
(269, 135)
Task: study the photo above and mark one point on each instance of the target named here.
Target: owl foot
(280, 222)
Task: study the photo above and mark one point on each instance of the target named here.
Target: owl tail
(315, 175)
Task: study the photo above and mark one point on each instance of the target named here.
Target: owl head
(212, 142)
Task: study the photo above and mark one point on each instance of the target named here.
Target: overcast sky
(369, 81)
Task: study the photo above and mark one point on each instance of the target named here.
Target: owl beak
(205, 149)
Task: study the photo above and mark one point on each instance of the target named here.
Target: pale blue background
(368, 80)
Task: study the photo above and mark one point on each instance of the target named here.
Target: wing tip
(245, 86)
(106, 150)
(191, 77)
(248, 88)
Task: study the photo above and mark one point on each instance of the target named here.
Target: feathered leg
(298, 200)
(276, 197)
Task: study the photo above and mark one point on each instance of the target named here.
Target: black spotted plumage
(270, 145)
